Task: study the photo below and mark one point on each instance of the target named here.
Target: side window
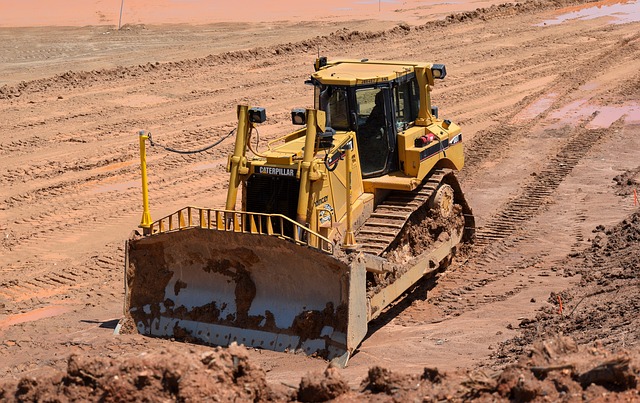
(334, 102)
(337, 111)
(407, 102)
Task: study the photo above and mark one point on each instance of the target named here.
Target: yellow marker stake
(145, 223)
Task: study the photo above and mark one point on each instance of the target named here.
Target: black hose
(173, 150)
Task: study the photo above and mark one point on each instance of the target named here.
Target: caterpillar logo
(276, 171)
(456, 139)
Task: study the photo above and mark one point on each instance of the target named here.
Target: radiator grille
(273, 195)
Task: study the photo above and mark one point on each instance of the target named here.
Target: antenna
(120, 20)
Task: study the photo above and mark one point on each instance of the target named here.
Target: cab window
(407, 103)
(333, 101)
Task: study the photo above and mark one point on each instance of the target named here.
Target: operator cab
(377, 110)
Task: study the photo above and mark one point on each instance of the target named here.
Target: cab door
(375, 130)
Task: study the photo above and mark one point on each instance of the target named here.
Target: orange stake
(635, 197)
(560, 303)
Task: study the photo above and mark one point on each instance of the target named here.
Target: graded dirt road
(550, 113)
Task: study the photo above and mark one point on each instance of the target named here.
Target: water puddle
(619, 11)
(535, 109)
(606, 115)
(36, 314)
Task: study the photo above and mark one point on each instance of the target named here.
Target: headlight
(257, 115)
(298, 116)
(439, 71)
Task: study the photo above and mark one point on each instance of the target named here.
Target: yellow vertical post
(305, 167)
(349, 241)
(237, 164)
(145, 222)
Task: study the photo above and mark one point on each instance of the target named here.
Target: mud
(321, 387)
(556, 370)
(422, 230)
(169, 375)
(245, 289)
(147, 273)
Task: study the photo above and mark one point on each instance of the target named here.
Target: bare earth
(551, 117)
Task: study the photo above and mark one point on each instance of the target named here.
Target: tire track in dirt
(584, 65)
(46, 194)
(535, 194)
(41, 287)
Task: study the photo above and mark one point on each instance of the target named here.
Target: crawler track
(383, 227)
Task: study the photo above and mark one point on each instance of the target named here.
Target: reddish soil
(551, 119)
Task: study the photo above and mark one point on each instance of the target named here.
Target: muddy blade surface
(219, 287)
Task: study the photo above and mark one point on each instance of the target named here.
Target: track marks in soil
(483, 286)
(539, 191)
(502, 233)
(46, 282)
(497, 242)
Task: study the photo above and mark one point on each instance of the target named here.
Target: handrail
(242, 222)
(297, 134)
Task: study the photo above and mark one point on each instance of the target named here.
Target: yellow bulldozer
(336, 221)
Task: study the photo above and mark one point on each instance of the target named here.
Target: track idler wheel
(443, 200)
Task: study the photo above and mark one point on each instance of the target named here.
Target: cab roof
(363, 72)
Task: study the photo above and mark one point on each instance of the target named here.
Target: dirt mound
(627, 182)
(167, 375)
(556, 370)
(320, 387)
(604, 308)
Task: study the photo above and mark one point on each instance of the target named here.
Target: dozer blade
(261, 291)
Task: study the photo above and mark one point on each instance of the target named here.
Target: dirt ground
(548, 96)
